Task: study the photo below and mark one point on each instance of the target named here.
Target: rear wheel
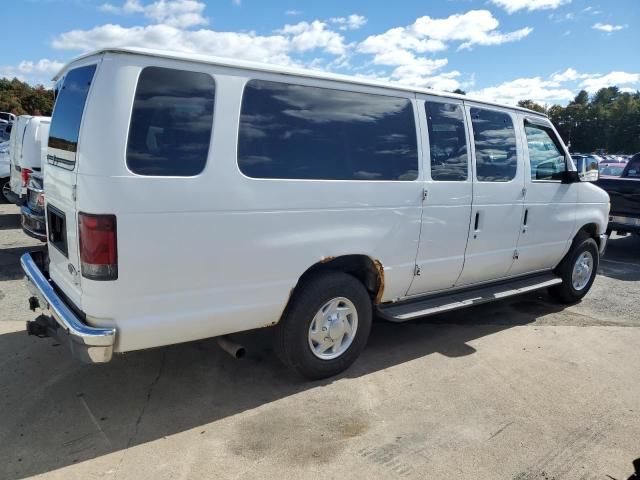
(325, 326)
(578, 271)
(5, 196)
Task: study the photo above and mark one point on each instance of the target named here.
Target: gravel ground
(520, 389)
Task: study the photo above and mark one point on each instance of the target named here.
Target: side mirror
(570, 176)
(588, 169)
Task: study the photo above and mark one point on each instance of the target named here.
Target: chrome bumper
(603, 243)
(89, 344)
(33, 224)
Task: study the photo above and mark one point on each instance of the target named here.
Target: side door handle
(525, 220)
(476, 224)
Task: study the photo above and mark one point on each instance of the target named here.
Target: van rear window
(171, 122)
(67, 115)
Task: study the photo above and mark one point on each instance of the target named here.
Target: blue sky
(504, 50)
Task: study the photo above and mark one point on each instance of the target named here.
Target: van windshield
(67, 115)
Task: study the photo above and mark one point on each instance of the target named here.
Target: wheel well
(369, 272)
(591, 230)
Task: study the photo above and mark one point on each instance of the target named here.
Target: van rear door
(60, 179)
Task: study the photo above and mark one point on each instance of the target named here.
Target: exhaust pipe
(234, 349)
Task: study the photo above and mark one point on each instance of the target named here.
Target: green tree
(531, 105)
(21, 98)
(610, 120)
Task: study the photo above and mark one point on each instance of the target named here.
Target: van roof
(284, 70)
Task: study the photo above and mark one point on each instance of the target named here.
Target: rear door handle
(525, 220)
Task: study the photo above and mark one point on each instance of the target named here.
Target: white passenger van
(190, 197)
(27, 148)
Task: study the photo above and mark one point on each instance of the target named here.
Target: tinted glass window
(546, 157)
(634, 167)
(171, 122)
(447, 141)
(611, 171)
(67, 115)
(293, 131)
(495, 145)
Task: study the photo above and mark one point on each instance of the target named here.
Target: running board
(421, 307)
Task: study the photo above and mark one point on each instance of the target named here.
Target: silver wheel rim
(6, 188)
(582, 270)
(333, 328)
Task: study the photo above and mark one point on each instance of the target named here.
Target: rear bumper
(33, 224)
(89, 344)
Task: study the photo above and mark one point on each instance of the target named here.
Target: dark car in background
(624, 192)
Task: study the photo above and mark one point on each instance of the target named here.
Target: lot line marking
(94, 420)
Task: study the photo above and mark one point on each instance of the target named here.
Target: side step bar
(423, 306)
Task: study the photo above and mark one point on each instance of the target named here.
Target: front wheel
(578, 271)
(325, 326)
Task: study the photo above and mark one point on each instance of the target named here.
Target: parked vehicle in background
(190, 197)
(7, 117)
(624, 192)
(27, 149)
(32, 210)
(6, 196)
(3, 130)
(613, 169)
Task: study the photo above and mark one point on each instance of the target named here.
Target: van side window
(67, 115)
(546, 158)
(300, 132)
(495, 145)
(447, 141)
(171, 122)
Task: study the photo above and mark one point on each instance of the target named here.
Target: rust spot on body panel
(380, 291)
(327, 259)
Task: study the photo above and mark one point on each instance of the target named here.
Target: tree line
(21, 98)
(608, 121)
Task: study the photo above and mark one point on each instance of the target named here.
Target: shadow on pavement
(56, 411)
(10, 261)
(622, 259)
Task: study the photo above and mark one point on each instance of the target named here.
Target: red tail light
(25, 174)
(98, 246)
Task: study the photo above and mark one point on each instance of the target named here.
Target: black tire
(565, 292)
(292, 332)
(4, 182)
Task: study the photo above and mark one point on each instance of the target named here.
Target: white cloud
(560, 87)
(619, 79)
(404, 54)
(399, 45)
(606, 27)
(592, 11)
(32, 72)
(512, 6)
(292, 13)
(245, 45)
(175, 13)
(568, 75)
(536, 89)
(352, 22)
(308, 36)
